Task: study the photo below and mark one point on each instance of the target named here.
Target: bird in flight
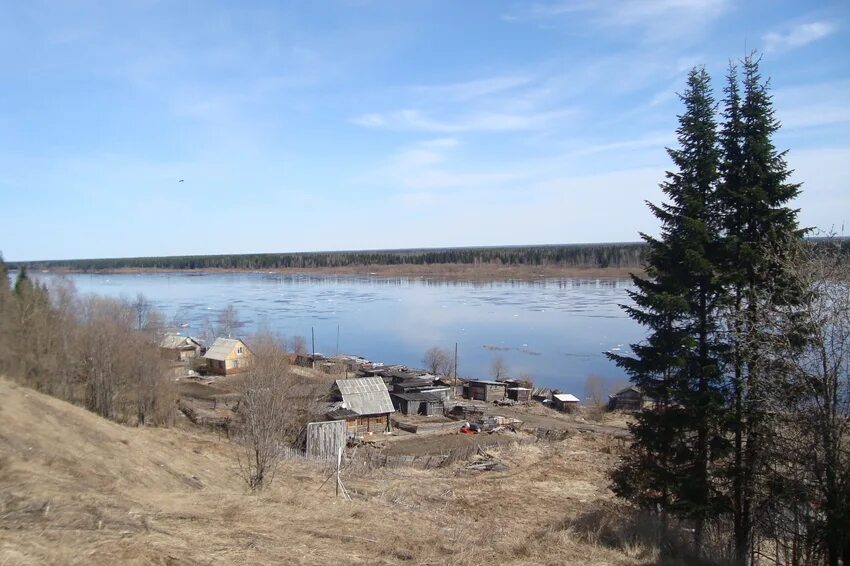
(180, 181)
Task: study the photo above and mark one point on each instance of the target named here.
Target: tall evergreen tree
(753, 194)
(678, 442)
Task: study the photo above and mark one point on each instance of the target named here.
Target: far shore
(449, 272)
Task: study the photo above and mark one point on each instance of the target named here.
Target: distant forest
(624, 255)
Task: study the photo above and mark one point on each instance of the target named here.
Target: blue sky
(368, 124)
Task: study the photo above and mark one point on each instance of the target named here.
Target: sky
(357, 124)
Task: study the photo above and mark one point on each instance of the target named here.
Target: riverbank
(444, 272)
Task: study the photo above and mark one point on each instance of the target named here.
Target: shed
(479, 390)
(564, 402)
(365, 404)
(179, 348)
(627, 399)
(519, 394)
(229, 355)
(418, 403)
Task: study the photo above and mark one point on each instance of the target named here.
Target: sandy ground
(77, 489)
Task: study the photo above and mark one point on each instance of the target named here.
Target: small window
(239, 350)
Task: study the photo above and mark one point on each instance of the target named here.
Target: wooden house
(627, 399)
(177, 348)
(363, 403)
(565, 402)
(480, 390)
(228, 355)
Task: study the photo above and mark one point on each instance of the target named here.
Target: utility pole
(455, 364)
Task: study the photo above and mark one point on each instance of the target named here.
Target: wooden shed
(228, 355)
(519, 394)
(177, 348)
(418, 403)
(627, 399)
(480, 390)
(565, 402)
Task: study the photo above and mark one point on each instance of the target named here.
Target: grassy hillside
(75, 488)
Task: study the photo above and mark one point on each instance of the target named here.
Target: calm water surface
(556, 330)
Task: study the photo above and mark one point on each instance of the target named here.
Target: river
(555, 330)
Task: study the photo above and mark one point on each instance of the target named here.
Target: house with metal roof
(179, 348)
(363, 403)
(228, 355)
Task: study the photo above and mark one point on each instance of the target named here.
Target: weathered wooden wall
(324, 439)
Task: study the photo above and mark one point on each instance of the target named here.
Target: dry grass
(75, 488)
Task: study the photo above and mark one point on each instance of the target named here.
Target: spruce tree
(678, 442)
(757, 224)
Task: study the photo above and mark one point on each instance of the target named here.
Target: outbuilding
(418, 403)
(177, 348)
(565, 402)
(519, 394)
(627, 399)
(489, 391)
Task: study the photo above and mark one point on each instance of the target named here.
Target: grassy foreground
(78, 489)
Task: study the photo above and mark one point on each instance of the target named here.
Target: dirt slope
(75, 488)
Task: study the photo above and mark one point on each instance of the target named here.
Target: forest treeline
(622, 255)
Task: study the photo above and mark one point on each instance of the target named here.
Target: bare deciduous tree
(438, 361)
(274, 407)
(805, 344)
(594, 390)
(498, 367)
(299, 345)
(228, 322)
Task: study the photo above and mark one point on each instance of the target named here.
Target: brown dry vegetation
(76, 488)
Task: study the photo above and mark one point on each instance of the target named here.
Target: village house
(565, 402)
(177, 348)
(627, 399)
(489, 391)
(363, 403)
(228, 355)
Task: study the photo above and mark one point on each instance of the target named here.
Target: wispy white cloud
(474, 88)
(657, 20)
(798, 36)
(471, 121)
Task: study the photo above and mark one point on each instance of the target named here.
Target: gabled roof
(566, 398)
(365, 395)
(175, 341)
(626, 390)
(222, 347)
